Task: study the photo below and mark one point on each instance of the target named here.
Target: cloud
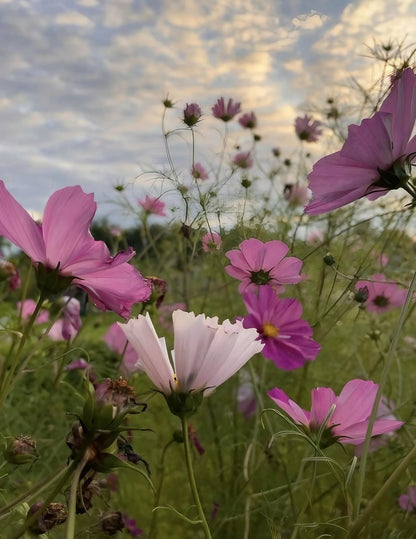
(310, 21)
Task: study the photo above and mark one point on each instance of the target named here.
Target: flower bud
(111, 522)
(21, 450)
(191, 114)
(361, 295)
(329, 260)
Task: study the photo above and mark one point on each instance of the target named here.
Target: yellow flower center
(269, 330)
(175, 379)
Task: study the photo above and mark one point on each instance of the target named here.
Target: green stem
(383, 378)
(8, 377)
(191, 477)
(70, 527)
(362, 521)
(152, 531)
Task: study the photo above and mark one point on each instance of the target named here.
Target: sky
(82, 81)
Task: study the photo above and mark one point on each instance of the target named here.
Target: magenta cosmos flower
(308, 129)
(225, 112)
(211, 242)
(243, 160)
(152, 206)
(344, 419)
(205, 354)
(248, 120)
(287, 338)
(256, 263)
(376, 156)
(192, 114)
(199, 172)
(296, 194)
(408, 501)
(383, 295)
(63, 249)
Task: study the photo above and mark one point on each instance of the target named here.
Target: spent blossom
(205, 355)
(287, 338)
(376, 157)
(382, 295)
(256, 264)
(307, 129)
(64, 252)
(342, 418)
(152, 206)
(225, 112)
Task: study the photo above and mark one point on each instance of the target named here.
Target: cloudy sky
(82, 81)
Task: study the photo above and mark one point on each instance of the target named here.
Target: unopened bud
(361, 295)
(21, 450)
(329, 259)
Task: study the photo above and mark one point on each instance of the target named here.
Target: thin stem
(377, 399)
(70, 528)
(191, 477)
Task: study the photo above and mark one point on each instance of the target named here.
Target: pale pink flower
(375, 158)
(384, 412)
(248, 120)
(256, 263)
(342, 419)
(383, 295)
(211, 242)
(191, 114)
(116, 341)
(115, 231)
(246, 400)
(306, 129)
(199, 172)
(205, 353)
(296, 194)
(286, 337)
(63, 246)
(28, 309)
(67, 327)
(152, 206)
(243, 160)
(408, 501)
(315, 236)
(225, 112)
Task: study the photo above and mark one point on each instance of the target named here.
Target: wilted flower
(191, 114)
(50, 516)
(375, 158)
(21, 450)
(408, 501)
(199, 172)
(205, 354)
(152, 206)
(256, 264)
(64, 252)
(9, 273)
(286, 337)
(211, 242)
(225, 112)
(306, 129)
(383, 295)
(248, 120)
(159, 289)
(111, 522)
(243, 160)
(342, 419)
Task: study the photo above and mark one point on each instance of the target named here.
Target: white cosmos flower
(205, 353)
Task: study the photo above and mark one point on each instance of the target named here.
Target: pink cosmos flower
(256, 264)
(306, 129)
(153, 206)
(205, 354)
(296, 194)
(243, 160)
(408, 501)
(116, 341)
(287, 338)
(376, 156)
(211, 242)
(165, 313)
(248, 120)
(225, 112)
(191, 114)
(314, 236)
(62, 247)
(344, 418)
(28, 309)
(383, 295)
(199, 172)
(67, 327)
